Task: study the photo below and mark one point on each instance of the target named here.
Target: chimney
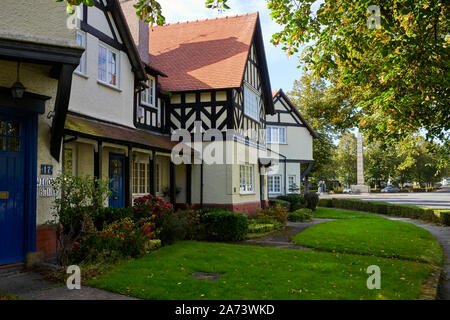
(138, 28)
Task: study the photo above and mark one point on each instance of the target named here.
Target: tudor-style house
(217, 75)
(38, 54)
(291, 135)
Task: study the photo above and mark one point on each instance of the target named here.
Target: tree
(392, 80)
(346, 159)
(309, 95)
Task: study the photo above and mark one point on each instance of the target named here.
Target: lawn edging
(430, 289)
(389, 209)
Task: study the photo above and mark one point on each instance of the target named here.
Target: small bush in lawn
(300, 215)
(173, 228)
(311, 199)
(225, 226)
(277, 213)
(283, 203)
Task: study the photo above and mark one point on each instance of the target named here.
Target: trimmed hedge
(390, 209)
(225, 226)
(296, 201)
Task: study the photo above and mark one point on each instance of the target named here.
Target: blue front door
(116, 173)
(12, 189)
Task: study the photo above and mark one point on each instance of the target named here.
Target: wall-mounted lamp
(17, 89)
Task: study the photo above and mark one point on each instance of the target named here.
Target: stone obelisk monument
(360, 187)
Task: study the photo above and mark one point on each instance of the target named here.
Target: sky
(283, 70)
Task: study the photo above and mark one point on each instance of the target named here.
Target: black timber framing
(152, 173)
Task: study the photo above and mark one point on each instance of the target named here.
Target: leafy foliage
(225, 226)
(300, 215)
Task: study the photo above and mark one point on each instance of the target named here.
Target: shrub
(277, 213)
(261, 227)
(225, 226)
(103, 216)
(414, 212)
(311, 199)
(296, 201)
(283, 203)
(300, 215)
(153, 207)
(173, 228)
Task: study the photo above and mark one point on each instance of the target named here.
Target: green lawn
(250, 272)
(370, 235)
(329, 213)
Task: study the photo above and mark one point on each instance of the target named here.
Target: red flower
(76, 245)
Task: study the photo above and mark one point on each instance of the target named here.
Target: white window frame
(82, 67)
(274, 136)
(251, 113)
(271, 184)
(246, 179)
(138, 188)
(149, 92)
(289, 183)
(107, 71)
(74, 159)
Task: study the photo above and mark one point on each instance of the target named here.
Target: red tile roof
(201, 55)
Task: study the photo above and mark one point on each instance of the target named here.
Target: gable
(106, 21)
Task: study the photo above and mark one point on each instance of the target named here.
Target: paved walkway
(32, 286)
(283, 239)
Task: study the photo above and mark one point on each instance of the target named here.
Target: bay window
(251, 103)
(148, 95)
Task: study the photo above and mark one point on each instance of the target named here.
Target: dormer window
(251, 103)
(148, 95)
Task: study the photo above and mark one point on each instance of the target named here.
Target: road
(439, 199)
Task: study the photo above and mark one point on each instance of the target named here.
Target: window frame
(137, 177)
(278, 135)
(249, 88)
(270, 185)
(245, 186)
(83, 59)
(151, 104)
(107, 71)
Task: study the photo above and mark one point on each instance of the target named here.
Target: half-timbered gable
(111, 70)
(214, 69)
(249, 112)
(291, 135)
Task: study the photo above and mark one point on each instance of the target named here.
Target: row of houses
(103, 94)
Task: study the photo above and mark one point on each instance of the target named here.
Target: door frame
(30, 165)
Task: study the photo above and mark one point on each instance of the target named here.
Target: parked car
(389, 189)
(347, 190)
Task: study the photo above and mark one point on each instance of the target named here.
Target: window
(292, 186)
(274, 184)
(10, 136)
(276, 135)
(246, 179)
(141, 178)
(251, 103)
(108, 66)
(148, 95)
(81, 41)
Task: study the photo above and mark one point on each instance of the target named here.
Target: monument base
(360, 188)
